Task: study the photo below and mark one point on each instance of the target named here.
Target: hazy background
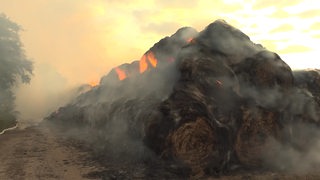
(73, 42)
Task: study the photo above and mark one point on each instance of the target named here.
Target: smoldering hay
(210, 100)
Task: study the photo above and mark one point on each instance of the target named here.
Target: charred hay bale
(310, 80)
(209, 73)
(258, 127)
(221, 37)
(302, 107)
(195, 144)
(301, 120)
(264, 79)
(156, 131)
(264, 70)
(168, 48)
(69, 115)
(206, 88)
(164, 51)
(302, 136)
(196, 118)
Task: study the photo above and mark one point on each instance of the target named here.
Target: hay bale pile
(222, 102)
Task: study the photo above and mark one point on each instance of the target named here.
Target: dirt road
(39, 152)
(35, 153)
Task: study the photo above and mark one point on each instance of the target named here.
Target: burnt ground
(40, 152)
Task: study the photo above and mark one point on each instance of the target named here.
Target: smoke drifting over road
(209, 101)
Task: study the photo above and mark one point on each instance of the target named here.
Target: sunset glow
(82, 39)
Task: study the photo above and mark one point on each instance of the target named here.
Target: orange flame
(149, 58)
(93, 83)
(143, 64)
(121, 73)
(152, 59)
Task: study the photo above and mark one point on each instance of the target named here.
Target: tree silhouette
(15, 67)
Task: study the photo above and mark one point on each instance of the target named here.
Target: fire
(93, 83)
(121, 73)
(152, 59)
(148, 57)
(143, 64)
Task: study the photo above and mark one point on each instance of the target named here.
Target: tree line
(15, 68)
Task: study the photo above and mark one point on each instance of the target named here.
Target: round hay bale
(194, 144)
(259, 126)
(264, 70)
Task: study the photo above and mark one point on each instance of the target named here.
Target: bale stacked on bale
(257, 128)
(245, 95)
(165, 52)
(213, 84)
(204, 92)
(195, 143)
(264, 70)
(222, 103)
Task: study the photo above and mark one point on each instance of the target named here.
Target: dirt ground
(35, 153)
(40, 153)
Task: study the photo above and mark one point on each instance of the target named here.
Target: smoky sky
(92, 37)
(83, 40)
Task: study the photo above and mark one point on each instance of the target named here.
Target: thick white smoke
(47, 91)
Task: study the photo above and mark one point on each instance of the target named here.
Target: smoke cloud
(93, 37)
(87, 46)
(47, 91)
(246, 99)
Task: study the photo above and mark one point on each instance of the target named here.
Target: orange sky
(78, 41)
(83, 39)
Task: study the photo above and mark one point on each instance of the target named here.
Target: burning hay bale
(208, 87)
(210, 100)
(159, 56)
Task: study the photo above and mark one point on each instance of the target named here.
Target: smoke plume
(47, 91)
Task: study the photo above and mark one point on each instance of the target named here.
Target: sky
(77, 41)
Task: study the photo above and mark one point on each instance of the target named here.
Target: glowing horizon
(97, 36)
(76, 41)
